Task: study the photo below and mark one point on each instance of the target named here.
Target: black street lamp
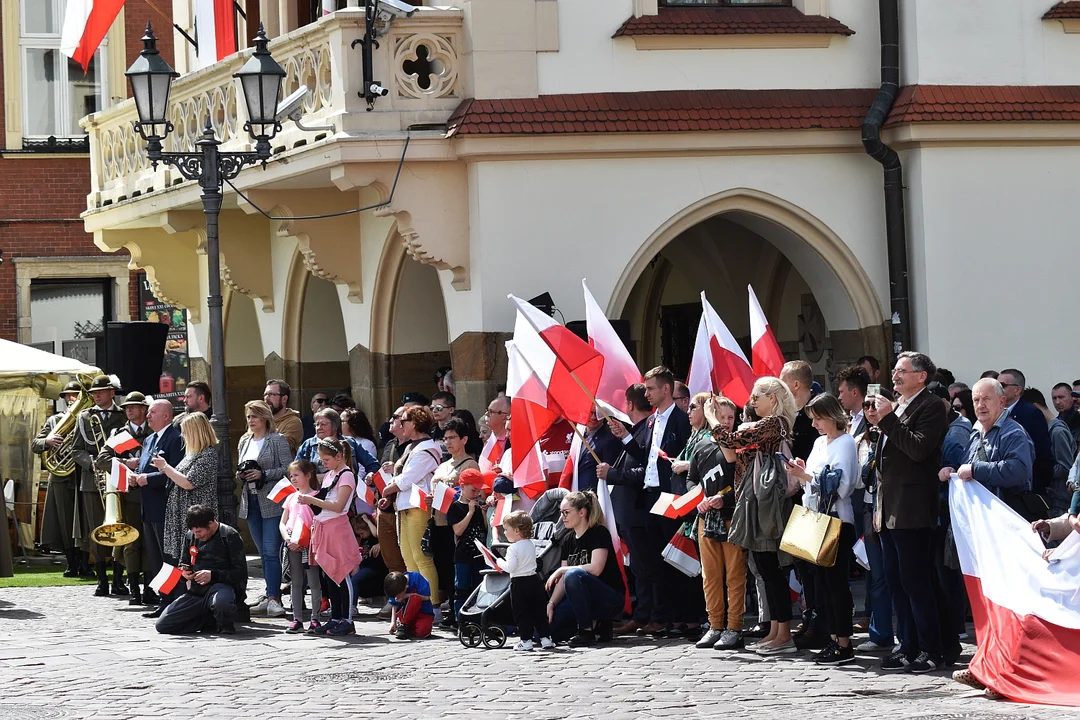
(260, 78)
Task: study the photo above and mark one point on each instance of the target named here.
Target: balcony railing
(419, 60)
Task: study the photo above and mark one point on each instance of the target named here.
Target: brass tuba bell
(114, 531)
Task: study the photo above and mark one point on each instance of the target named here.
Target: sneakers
(524, 646)
(871, 646)
(894, 661)
(273, 608)
(729, 640)
(835, 655)
(811, 640)
(710, 638)
(402, 632)
(786, 648)
(547, 643)
(386, 612)
(338, 628)
(259, 608)
(925, 663)
(324, 608)
(964, 677)
(296, 626)
(316, 628)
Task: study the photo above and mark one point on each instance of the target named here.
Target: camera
(377, 90)
(387, 10)
(292, 104)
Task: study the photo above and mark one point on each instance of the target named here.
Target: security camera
(390, 9)
(291, 105)
(378, 90)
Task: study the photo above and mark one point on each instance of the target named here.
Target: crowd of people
(877, 455)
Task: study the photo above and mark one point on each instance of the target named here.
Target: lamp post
(260, 79)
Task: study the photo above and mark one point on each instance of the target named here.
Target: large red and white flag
(118, 476)
(86, 23)
(491, 454)
(121, 442)
(718, 363)
(568, 480)
(215, 23)
(1026, 610)
(620, 371)
(567, 366)
(282, 490)
(166, 579)
(529, 408)
(764, 350)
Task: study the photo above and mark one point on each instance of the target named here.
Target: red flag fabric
(718, 363)
(381, 480)
(677, 506)
(166, 579)
(86, 23)
(299, 529)
(502, 509)
(118, 477)
(282, 490)
(620, 371)
(122, 442)
(491, 454)
(419, 498)
(764, 349)
(442, 497)
(682, 554)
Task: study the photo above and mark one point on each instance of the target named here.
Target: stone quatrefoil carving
(427, 66)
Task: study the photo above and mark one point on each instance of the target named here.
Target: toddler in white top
(527, 594)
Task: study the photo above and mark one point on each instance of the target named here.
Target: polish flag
(282, 490)
(418, 498)
(682, 554)
(215, 24)
(676, 506)
(569, 368)
(620, 370)
(86, 23)
(442, 497)
(491, 455)
(489, 558)
(328, 6)
(502, 509)
(166, 579)
(1026, 609)
(118, 476)
(718, 363)
(381, 480)
(121, 442)
(603, 494)
(568, 480)
(300, 529)
(529, 407)
(364, 502)
(794, 587)
(765, 351)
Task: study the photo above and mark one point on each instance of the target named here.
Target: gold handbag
(811, 536)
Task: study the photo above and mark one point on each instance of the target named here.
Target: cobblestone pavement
(64, 653)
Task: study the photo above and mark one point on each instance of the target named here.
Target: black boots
(149, 597)
(86, 570)
(102, 581)
(118, 587)
(136, 596)
(72, 564)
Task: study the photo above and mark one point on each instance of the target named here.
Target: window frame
(63, 109)
(725, 3)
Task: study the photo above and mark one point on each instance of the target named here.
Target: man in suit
(668, 431)
(135, 407)
(851, 384)
(166, 441)
(607, 447)
(60, 501)
(92, 427)
(1023, 412)
(626, 476)
(909, 459)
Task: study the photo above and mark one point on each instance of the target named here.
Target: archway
(818, 298)
(419, 337)
(245, 372)
(322, 349)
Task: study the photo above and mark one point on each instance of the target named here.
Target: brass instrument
(59, 461)
(114, 531)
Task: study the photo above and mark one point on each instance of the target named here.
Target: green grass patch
(41, 576)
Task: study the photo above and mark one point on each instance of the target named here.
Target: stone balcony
(419, 60)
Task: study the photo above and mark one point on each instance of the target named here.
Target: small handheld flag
(166, 579)
(282, 490)
(118, 476)
(122, 442)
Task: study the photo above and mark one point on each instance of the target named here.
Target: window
(729, 3)
(56, 92)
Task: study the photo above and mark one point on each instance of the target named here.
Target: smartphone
(785, 458)
(873, 390)
(184, 566)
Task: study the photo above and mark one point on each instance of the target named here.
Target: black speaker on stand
(135, 352)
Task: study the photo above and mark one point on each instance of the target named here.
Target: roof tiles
(707, 20)
(976, 103)
(1066, 10)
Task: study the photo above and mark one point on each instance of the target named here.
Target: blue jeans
(588, 600)
(467, 578)
(877, 590)
(267, 537)
(909, 565)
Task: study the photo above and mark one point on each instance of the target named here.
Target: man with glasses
(1023, 412)
(681, 396)
(320, 401)
(497, 418)
(286, 420)
(909, 459)
(443, 405)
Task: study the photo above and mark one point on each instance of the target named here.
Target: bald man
(164, 441)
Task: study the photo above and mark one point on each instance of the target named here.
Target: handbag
(682, 553)
(811, 536)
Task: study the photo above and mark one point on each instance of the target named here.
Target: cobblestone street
(64, 653)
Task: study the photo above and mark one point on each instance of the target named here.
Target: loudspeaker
(134, 352)
(621, 327)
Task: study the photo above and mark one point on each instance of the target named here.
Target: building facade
(658, 150)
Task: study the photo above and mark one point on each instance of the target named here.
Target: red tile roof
(976, 103)
(1066, 10)
(660, 111)
(732, 21)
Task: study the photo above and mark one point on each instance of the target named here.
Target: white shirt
(855, 420)
(346, 485)
(840, 454)
(424, 458)
(520, 559)
(254, 447)
(899, 411)
(660, 419)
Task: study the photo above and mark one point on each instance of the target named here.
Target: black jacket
(1032, 420)
(676, 433)
(607, 446)
(156, 492)
(627, 480)
(223, 556)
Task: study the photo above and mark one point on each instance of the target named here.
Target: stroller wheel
(494, 637)
(470, 635)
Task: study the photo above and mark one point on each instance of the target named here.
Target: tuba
(114, 531)
(58, 461)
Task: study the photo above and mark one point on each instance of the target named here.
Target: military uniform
(90, 510)
(58, 523)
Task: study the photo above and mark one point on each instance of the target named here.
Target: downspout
(895, 227)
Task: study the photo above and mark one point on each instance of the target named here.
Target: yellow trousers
(411, 526)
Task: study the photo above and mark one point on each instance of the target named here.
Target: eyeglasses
(396, 417)
(320, 401)
(958, 408)
(271, 394)
(564, 513)
(439, 408)
(496, 412)
(448, 438)
(1005, 385)
(902, 371)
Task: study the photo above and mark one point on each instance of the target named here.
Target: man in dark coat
(1023, 412)
(59, 520)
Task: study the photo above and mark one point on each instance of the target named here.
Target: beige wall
(322, 332)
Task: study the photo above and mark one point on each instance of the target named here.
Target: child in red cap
(466, 518)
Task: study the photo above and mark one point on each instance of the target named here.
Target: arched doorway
(245, 372)
(817, 297)
(419, 337)
(323, 352)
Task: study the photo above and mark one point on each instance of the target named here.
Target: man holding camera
(215, 571)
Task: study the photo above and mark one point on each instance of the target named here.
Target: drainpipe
(895, 228)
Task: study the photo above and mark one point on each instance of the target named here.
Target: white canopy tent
(19, 359)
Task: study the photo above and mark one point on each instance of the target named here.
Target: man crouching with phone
(215, 571)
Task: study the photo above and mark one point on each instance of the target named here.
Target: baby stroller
(486, 616)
